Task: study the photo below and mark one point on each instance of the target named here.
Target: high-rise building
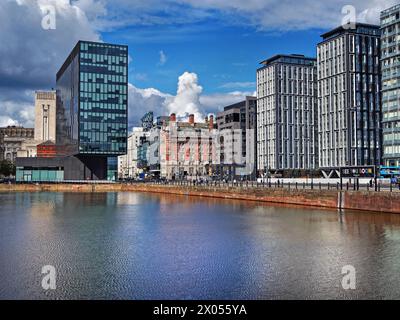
(92, 104)
(390, 63)
(286, 113)
(92, 116)
(45, 116)
(349, 112)
(237, 128)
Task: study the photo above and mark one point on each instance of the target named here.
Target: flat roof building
(349, 107)
(286, 113)
(237, 144)
(92, 108)
(390, 67)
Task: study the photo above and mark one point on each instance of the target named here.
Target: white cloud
(216, 102)
(163, 58)
(31, 56)
(17, 113)
(7, 121)
(295, 15)
(268, 15)
(145, 100)
(188, 100)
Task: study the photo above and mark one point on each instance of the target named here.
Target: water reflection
(142, 246)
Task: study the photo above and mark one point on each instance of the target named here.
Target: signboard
(357, 172)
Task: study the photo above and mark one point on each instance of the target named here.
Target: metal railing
(356, 186)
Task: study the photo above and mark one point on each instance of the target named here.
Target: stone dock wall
(388, 202)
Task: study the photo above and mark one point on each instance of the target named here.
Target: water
(143, 246)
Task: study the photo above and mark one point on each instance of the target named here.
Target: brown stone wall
(372, 201)
(351, 200)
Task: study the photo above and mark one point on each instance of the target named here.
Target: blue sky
(224, 57)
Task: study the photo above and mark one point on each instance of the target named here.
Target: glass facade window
(39, 174)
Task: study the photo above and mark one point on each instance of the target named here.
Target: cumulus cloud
(188, 100)
(7, 121)
(269, 15)
(31, 55)
(142, 101)
(295, 15)
(16, 113)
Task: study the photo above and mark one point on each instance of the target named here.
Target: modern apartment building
(349, 112)
(237, 148)
(92, 115)
(286, 113)
(390, 64)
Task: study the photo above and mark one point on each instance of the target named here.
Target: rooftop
(289, 58)
(76, 50)
(359, 28)
(390, 10)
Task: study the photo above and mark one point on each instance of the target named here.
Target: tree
(7, 168)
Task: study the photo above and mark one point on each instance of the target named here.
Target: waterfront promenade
(332, 196)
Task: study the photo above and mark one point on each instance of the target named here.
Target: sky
(186, 56)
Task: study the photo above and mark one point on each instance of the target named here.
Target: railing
(355, 186)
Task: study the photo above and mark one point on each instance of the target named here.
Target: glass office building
(92, 104)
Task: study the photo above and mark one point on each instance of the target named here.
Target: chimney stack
(211, 122)
(191, 119)
(172, 117)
